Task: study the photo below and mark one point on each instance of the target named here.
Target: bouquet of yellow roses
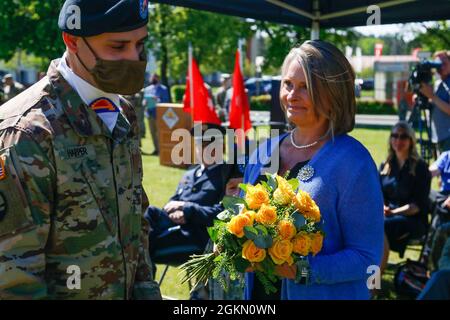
(268, 232)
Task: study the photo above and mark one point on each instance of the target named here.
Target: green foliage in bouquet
(270, 231)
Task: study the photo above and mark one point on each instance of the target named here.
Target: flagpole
(241, 59)
(191, 81)
(241, 65)
(191, 100)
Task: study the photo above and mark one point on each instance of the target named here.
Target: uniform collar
(206, 172)
(83, 119)
(88, 93)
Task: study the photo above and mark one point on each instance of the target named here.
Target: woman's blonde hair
(330, 81)
(413, 155)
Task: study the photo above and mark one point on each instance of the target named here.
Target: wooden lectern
(169, 117)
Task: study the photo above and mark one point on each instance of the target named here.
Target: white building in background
(255, 47)
(388, 70)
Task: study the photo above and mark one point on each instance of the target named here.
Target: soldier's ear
(71, 42)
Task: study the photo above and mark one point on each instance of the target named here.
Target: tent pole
(315, 25)
(315, 30)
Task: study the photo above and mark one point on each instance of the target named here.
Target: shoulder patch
(2, 169)
(15, 212)
(103, 105)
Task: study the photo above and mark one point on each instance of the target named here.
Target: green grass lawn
(367, 93)
(160, 183)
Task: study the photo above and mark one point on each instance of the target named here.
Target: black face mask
(125, 77)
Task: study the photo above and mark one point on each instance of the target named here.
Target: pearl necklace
(306, 145)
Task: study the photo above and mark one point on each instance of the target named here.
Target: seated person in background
(196, 203)
(440, 203)
(438, 287)
(441, 168)
(213, 290)
(405, 181)
(440, 248)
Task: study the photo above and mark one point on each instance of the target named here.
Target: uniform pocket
(99, 197)
(82, 204)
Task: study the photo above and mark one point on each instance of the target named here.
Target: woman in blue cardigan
(317, 95)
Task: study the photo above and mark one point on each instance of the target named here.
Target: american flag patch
(2, 169)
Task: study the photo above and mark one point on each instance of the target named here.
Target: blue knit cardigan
(346, 187)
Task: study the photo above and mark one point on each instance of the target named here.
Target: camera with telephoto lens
(420, 117)
(422, 73)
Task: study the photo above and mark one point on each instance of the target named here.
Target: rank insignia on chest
(2, 169)
(103, 105)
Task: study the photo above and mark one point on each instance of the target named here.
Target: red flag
(415, 53)
(378, 49)
(239, 108)
(202, 106)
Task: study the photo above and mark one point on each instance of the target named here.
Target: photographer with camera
(440, 101)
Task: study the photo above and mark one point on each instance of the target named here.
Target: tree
(214, 38)
(281, 38)
(30, 25)
(436, 37)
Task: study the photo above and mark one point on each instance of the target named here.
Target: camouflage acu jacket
(71, 200)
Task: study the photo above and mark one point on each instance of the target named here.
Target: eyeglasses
(402, 136)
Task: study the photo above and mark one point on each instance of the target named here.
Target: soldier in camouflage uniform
(11, 88)
(71, 195)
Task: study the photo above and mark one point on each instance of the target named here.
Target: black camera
(420, 116)
(422, 73)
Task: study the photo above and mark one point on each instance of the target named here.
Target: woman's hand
(286, 271)
(410, 209)
(216, 249)
(387, 211)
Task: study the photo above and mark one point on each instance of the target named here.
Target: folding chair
(174, 256)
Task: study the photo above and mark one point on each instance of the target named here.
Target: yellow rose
(237, 224)
(307, 206)
(266, 215)
(252, 253)
(286, 229)
(280, 252)
(251, 215)
(256, 196)
(301, 243)
(283, 194)
(316, 242)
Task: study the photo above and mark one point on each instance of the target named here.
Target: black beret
(202, 131)
(86, 18)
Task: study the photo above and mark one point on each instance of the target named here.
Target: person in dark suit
(196, 202)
